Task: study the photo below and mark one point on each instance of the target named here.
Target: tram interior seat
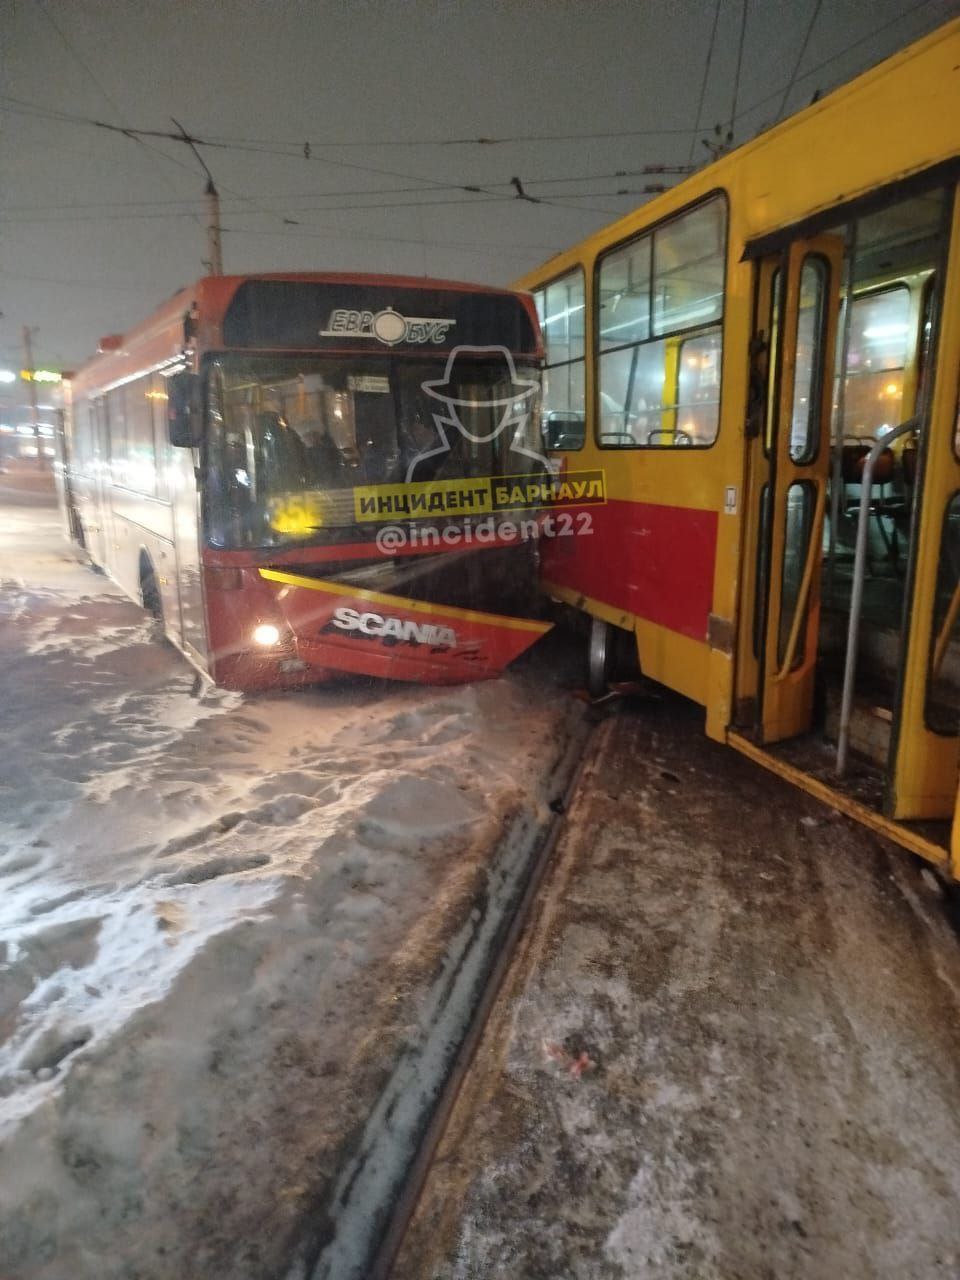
(563, 429)
(886, 505)
(887, 535)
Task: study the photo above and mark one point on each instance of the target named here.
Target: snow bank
(221, 918)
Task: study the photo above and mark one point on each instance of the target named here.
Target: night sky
(99, 228)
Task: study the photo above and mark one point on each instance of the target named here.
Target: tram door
(925, 751)
(797, 311)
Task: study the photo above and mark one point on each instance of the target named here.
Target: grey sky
(78, 258)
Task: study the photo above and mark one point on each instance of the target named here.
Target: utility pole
(215, 263)
(28, 368)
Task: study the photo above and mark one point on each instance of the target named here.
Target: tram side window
(698, 386)
(688, 269)
(624, 295)
(880, 329)
(660, 340)
(561, 309)
(811, 322)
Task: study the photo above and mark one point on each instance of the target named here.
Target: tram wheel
(600, 654)
(611, 655)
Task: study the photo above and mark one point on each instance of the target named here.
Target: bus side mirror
(184, 410)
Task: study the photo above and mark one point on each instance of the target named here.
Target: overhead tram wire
(736, 79)
(184, 213)
(197, 141)
(295, 150)
(706, 76)
(679, 170)
(374, 195)
(854, 44)
(140, 135)
(132, 134)
(212, 184)
(35, 110)
(547, 201)
(307, 234)
(105, 93)
(803, 50)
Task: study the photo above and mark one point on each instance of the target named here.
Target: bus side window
(83, 447)
(157, 399)
(141, 451)
(117, 434)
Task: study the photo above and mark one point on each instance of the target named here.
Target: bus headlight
(266, 634)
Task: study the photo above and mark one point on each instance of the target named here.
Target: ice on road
(727, 1048)
(217, 914)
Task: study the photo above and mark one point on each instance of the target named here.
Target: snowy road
(728, 1049)
(222, 921)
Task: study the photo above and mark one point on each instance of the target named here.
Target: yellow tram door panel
(926, 747)
(759, 417)
(793, 500)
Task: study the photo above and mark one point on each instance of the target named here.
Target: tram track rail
(380, 1266)
(357, 1230)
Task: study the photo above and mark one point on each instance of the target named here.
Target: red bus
(294, 472)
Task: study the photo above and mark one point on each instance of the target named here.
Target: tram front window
(289, 439)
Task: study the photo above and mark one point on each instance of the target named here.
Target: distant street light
(7, 375)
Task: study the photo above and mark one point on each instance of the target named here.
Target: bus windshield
(281, 428)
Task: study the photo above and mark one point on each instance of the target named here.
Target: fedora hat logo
(504, 387)
(481, 395)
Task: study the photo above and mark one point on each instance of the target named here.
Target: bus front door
(186, 525)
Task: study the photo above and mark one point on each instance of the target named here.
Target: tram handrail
(803, 595)
(856, 593)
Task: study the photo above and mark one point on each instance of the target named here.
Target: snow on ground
(218, 916)
(729, 1045)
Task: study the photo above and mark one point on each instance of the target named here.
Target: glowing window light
(885, 331)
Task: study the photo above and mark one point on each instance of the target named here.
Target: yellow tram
(764, 363)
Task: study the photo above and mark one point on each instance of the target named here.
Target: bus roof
(316, 311)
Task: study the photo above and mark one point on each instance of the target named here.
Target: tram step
(870, 726)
